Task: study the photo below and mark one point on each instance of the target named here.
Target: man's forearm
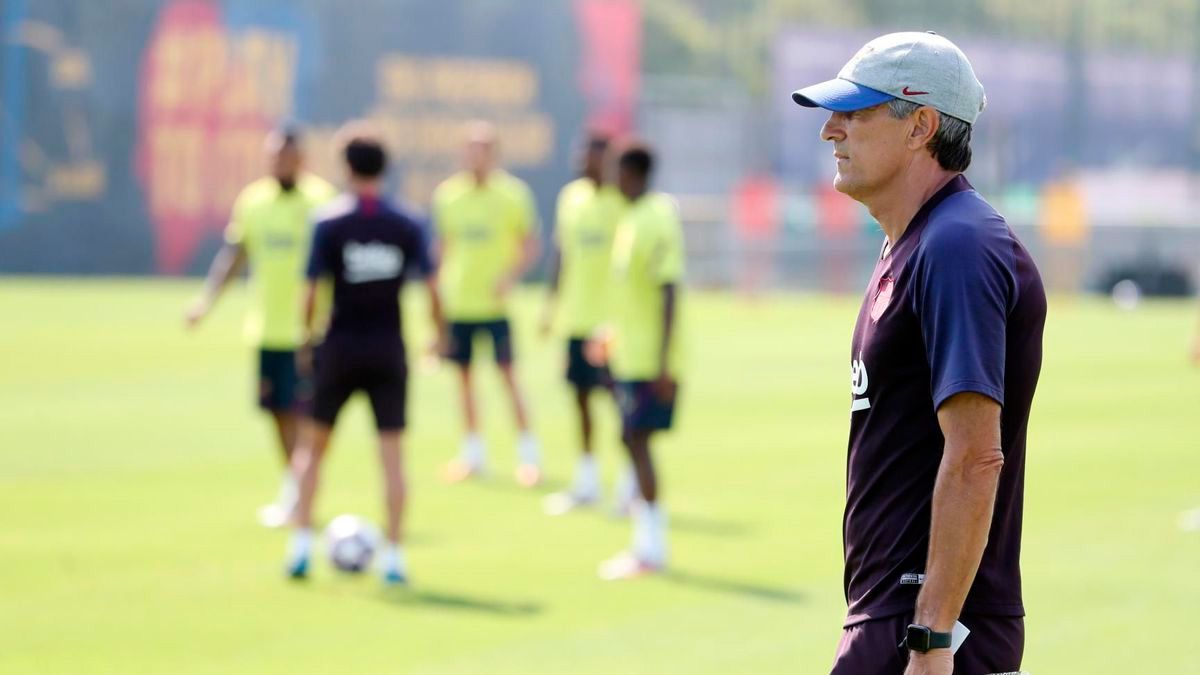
(963, 499)
(224, 267)
(668, 319)
(308, 309)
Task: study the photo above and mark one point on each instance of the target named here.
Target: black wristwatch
(922, 639)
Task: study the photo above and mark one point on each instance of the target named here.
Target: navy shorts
(278, 380)
(995, 645)
(376, 368)
(580, 372)
(641, 409)
(462, 339)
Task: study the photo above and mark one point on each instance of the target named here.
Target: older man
(945, 359)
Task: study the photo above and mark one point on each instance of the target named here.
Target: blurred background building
(127, 126)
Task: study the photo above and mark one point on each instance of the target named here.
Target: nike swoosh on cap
(906, 92)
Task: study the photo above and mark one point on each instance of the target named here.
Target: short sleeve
(964, 286)
(319, 252)
(667, 260)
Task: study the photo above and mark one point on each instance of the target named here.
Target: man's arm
(225, 266)
(963, 498)
(664, 383)
(552, 289)
(531, 248)
(435, 311)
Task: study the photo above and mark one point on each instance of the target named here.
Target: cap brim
(840, 95)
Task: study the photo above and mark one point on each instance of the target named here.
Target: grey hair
(950, 145)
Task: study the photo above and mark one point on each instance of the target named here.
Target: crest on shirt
(883, 297)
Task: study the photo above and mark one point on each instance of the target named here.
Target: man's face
(870, 148)
(631, 183)
(593, 160)
(285, 163)
(481, 155)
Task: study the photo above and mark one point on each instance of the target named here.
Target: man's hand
(664, 388)
(304, 357)
(596, 349)
(504, 287)
(441, 343)
(197, 311)
(936, 662)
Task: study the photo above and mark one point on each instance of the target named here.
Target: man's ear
(925, 125)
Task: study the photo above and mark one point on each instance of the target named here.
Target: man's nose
(832, 129)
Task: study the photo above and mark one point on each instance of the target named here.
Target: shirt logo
(858, 386)
(882, 298)
(907, 92)
(374, 261)
(912, 579)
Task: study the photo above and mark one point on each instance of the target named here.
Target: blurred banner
(128, 128)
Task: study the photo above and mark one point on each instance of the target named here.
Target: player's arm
(664, 384)
(963, 498)
(225, 266)
(551, 305)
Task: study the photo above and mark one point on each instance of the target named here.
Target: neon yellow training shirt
(482, 229)
(274, 228)
(647, 254)
(586, 222)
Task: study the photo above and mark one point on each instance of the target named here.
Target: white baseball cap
(924, 68)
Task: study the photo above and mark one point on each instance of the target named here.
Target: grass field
(132, 461)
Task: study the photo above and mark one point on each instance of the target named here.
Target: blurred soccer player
(270, 228)
(369, 248)
(647, 268)
(586, 217)
(486, 221)
(945, 360)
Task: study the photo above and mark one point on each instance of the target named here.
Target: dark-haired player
(585, 222)
(369, 248)
(270, 227)
(647, 270)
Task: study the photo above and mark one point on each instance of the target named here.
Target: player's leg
(277, 391)
(643, 414)
(585, 488)
(387, 390)
(472, 458)
(307, 463)
(529, 454)
(333, 386)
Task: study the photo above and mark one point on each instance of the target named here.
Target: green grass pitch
(132, 461)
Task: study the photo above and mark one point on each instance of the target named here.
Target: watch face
(917, 638)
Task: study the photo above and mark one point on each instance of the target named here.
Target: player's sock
(395, 567)
(529, 451)
(587, 479)
(626, 492)
(474, 452)
(529, 458)
(299, 551)
(289, 491)
(656, 526)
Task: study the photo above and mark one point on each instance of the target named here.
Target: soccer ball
(351, 543)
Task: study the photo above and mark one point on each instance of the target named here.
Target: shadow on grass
(416, 597)
(732, 586)
(713, 527)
